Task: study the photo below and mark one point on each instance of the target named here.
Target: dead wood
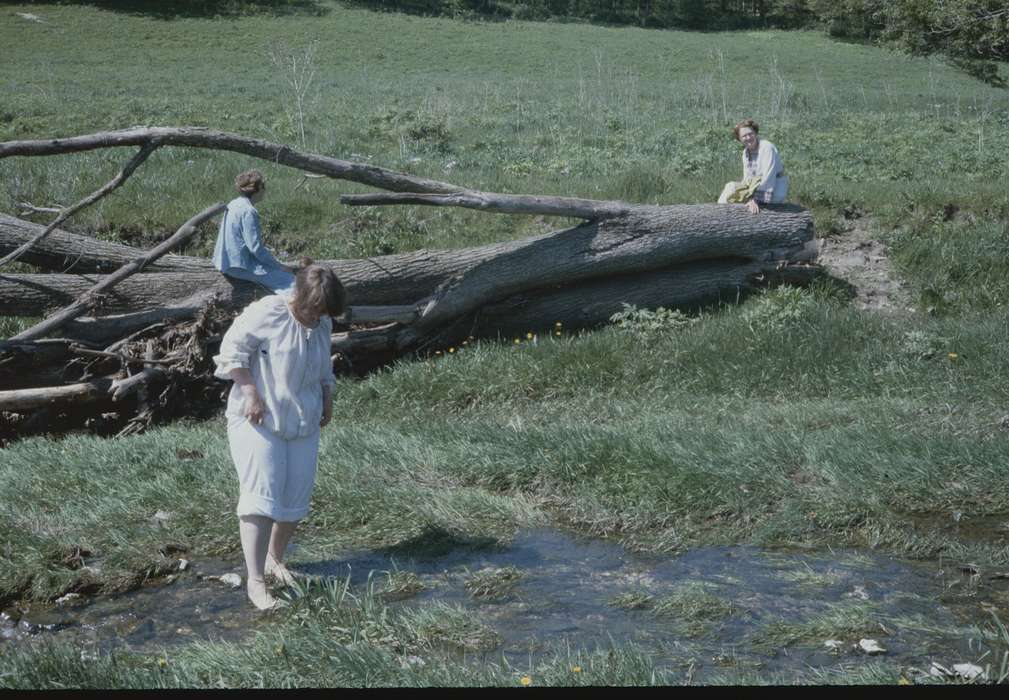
(62, 251)
(648, 238)
(198, 137)
(90, 297)
(154, 323)
(65, 214)
(21, 400)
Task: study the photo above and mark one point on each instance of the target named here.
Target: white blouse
(289, 365)
(768, 167)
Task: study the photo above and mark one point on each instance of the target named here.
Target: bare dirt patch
(855, 256)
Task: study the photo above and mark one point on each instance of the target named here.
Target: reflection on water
(708, 608)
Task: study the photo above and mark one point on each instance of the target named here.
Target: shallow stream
(708, 610)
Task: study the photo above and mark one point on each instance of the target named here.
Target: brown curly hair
(746, 123)
(250, 182)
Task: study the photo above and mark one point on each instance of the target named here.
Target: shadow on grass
(203, 8)
(435, 542)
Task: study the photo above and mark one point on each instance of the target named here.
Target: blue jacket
(240, 241)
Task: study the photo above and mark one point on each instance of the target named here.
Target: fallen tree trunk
(682, 233)
(90, 298)
(159, 327)
(26, 399)
(62, 251)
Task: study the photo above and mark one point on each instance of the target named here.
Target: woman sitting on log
(239, 251)
(278, 353)
(764, 177)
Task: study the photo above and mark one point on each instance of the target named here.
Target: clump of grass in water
(809, 578)
(493, 583)
(632, 600)
(848, 622)
(401, 584)
(694, 607)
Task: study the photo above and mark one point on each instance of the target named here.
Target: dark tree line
(973, 33)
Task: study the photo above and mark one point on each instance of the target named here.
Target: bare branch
(87, 300)
(502, 203)
(29, 208)
(313, 163)
(125, 359)
(111, 185)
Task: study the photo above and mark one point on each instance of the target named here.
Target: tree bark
(62, 251)
(683, 232)
(89, 298)
(34, 294)
(686, 287)
(21, 400)
(646, 239)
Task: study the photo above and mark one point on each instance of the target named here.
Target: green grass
(574, 110)
(493, 583)
(694, 608)
(848, 622)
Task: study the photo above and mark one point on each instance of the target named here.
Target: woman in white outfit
(278, 353)
(764, 177)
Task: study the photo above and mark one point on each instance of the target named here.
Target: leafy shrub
(778, 308)
(648, 321)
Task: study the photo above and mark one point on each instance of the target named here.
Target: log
(403, 279)
(21, 400)
(89, 299)
(381, 280)
(62, 251)
(64, 214)
(646, 239)
(33, 294)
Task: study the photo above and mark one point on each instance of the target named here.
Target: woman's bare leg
(279, 537)
(254, 531)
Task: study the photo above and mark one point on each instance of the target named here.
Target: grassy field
(792, 420)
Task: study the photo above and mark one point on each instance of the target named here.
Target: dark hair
(250, 182)
(746, 123)
(315, 285)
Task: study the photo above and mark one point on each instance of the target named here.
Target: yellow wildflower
(530, 335)
(162, 662)
(517, 341)
(558, 324)
(526, 680)
(953, 356)
(903, 681)
(576, 669)
(451, 349)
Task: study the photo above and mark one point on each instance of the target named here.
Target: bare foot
(260, 597)
(278, 571)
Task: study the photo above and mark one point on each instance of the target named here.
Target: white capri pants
(276, 476)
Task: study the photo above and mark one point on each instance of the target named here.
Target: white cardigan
(288, 362)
